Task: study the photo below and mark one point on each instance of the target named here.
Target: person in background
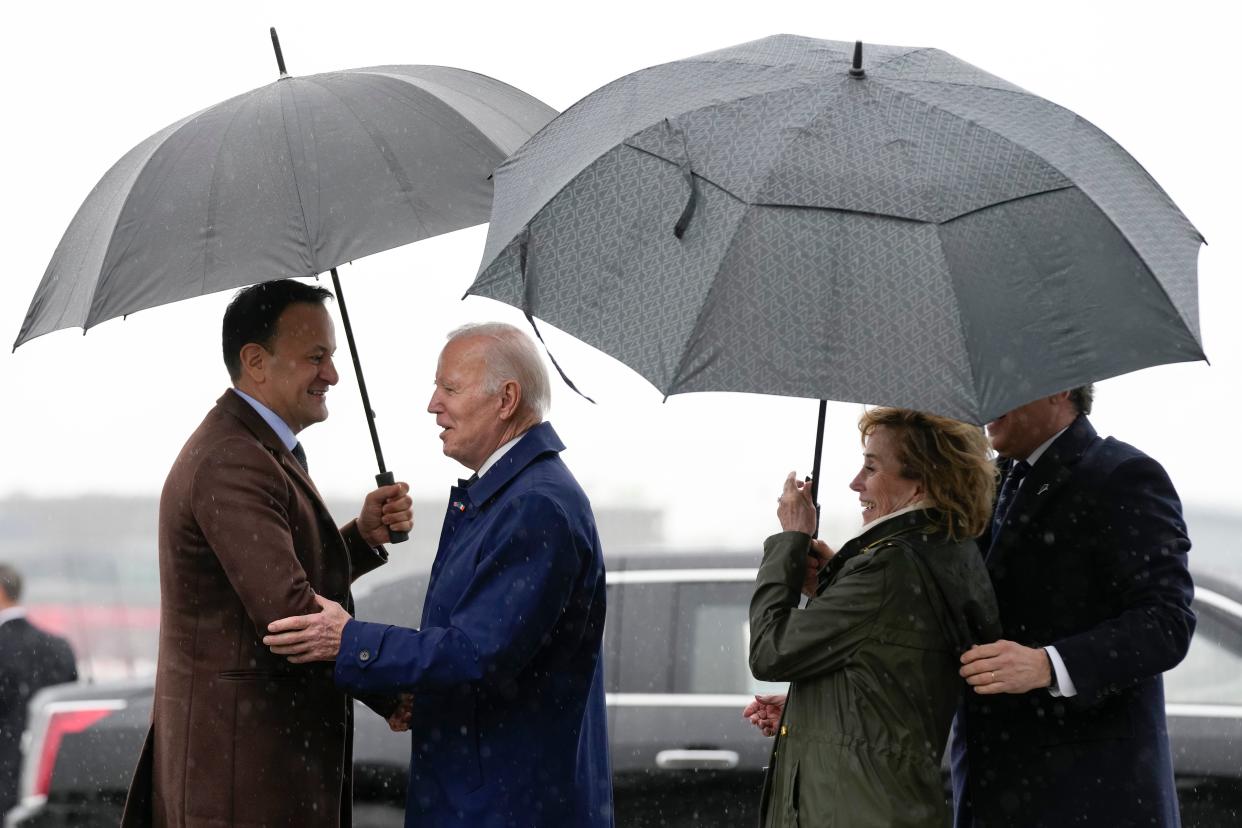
(872, 659)
(30, 659)
(1087, 550)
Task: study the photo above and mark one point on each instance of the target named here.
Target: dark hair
(1082, 397)
(254, 311)
(950, 459)
(10, 582)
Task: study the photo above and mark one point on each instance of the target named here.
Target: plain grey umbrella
(288, 180)
(784, 217)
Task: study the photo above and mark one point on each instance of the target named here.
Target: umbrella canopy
(290, 179)
(908, 230)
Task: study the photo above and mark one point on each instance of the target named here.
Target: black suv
(675, 647)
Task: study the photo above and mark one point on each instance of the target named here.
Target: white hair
(511, 355)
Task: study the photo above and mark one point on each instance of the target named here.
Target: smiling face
(293, 378)
(472, 420)
(881, 488)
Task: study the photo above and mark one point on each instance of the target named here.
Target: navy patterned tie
(1009, 490)
(299, 454)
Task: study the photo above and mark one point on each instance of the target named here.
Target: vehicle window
(644, 637)
(1212, 670)
(712, 640)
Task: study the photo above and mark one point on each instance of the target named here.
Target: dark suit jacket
(509, 723)
(30, 659)
(1092, 559)
(241, 736)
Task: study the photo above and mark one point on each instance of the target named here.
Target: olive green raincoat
(873, 661)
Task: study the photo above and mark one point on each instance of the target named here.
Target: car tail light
(48, 727)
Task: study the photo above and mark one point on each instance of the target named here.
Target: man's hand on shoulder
(387, 508)
(1005, 667)
(306, 638)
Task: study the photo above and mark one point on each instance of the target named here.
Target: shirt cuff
(1064, 686)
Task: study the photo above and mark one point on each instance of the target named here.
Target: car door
(1204, 704)
(681, 751)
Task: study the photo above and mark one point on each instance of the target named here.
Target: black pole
(819, 452)
(385, 477)
(280, 57)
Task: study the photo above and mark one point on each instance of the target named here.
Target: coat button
(365, 655)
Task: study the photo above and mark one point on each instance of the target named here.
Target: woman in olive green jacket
(873, 657)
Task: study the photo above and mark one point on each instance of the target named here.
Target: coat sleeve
(521, 585)
(1141, 555)
(239, 498)
(788, 643)
(363, 557)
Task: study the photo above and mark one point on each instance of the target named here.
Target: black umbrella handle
(387, 479)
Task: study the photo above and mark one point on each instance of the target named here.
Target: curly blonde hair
(951, 459)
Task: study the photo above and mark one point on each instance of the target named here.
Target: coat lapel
(250, 418)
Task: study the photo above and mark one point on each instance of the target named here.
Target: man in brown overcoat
(239, 736)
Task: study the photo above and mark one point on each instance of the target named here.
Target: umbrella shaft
(819, 453)
(362, 383)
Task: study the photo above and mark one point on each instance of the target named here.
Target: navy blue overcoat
(1091, 559)
(509, 721)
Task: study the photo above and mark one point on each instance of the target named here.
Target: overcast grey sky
(108, 412)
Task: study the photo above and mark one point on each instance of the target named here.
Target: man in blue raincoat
(507, 714)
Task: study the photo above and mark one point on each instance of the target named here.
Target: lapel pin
(1042, 489)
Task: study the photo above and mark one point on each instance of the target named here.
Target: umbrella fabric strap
(523, 245)
(555, 364)
(683, 221)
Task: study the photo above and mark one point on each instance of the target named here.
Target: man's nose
(433, 404)
(327, 371)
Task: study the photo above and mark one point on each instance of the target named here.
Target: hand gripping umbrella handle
(387, 479)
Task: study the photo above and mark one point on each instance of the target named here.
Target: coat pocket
(789, 799)
(256, 675)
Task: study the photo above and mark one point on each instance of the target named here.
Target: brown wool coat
(239, 736)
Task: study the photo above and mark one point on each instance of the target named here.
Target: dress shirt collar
(270, 417)
(12, 614)
(497, 454)
(1039, 452)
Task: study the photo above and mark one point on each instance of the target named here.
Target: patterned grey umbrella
(906, 230)
(290, 179)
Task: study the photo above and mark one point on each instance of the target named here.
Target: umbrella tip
(280, 57)
(856, 71)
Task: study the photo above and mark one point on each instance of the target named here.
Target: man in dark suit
(1066, 723)
(239, 736)
(508, 715)
(30, 659)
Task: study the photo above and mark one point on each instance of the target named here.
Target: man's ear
(254, 362)
(510, 399)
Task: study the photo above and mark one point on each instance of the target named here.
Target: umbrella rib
(135, 235)
(398, 172)
(297, 185)
(698, 320)
(420, 84)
